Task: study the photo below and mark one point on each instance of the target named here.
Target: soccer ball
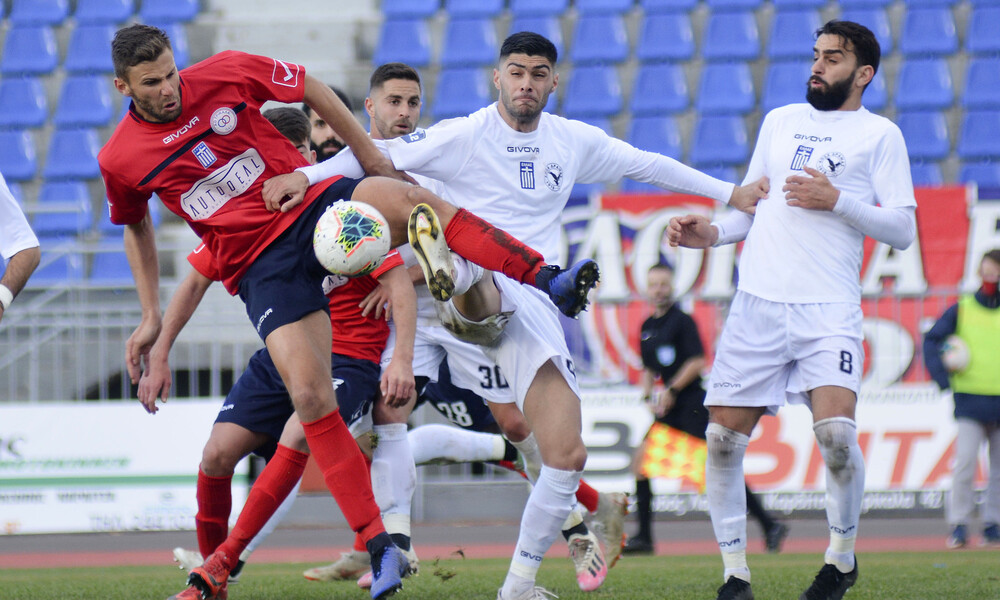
(954, 354)
(351, 238)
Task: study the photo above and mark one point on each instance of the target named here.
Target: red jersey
(353, 335)
(209, 165)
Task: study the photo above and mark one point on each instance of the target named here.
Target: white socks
(837, 438)
(435, 442)
(528, 447)
(467, 274)
(727, 503)
(394, 477)
(268, 527)
(548, 506)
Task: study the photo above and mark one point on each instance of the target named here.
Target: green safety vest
(979, 328)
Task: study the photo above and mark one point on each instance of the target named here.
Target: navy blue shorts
(356, 383)
(466, 409)
(285, 282)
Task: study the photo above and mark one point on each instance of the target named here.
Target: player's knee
(573, 457)
(835, 437)
(725, 446)
(312, 401)
(218, 460)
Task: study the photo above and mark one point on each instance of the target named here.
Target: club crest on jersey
(553, 176)
(416, 136)
(204, 154)
(801, 158)
(832, 164)
(527, 175)
(223, 120)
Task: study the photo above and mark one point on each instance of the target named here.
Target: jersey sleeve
(438, 152)
(890, 171)
(265, 78)
(126, 204)
(203, 261)
(392, 260)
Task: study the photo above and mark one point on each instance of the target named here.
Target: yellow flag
(673, 454)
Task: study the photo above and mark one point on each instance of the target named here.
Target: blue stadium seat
(17, 156)
(473, 8)
(535, 8)
(637, 187)
(660, 88)
(22, 102)
(404, 40)
(85, 101)
(29, 50)
(599, 38)
(876, 96)
(924, 83)
(111, 268)
(59, 263)
(89, 49)
(986, 174)
(719, 140)
(925, 174)
(873, 18)
(38, 12)
(665, 36)
(395, 9)
(177, 33)
(984, 23)
(726, 5)
(865, 3)
(168, 11)
(659, 6)
(64, 208)
(791, 34)
(98, 12)
(656, 134)
(725, 88)
(544, 25)
(73, 154)
(980, 135)
(469, 41)
(460, 92)
(982, 84)
(783, 4)
(720, 172)
(926, 134)
(731, 36)
(936, 3)
(594, 91)
(604, 6)
(785, 83)
(928, 32)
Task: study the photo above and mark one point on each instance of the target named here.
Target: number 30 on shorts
(846, 362)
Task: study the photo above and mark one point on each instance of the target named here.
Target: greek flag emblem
(527, 175)
(204, 154)
(802, 155)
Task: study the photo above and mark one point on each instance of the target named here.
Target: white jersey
(15, 234)
(796, 255)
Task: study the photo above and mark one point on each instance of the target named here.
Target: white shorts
(772, 353)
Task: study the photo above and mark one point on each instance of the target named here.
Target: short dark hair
(137, 44)
(993, 255)
(530, 43)
(661, 266)
(340, 94)
(290, 122)
(393, 70)
(863, 42)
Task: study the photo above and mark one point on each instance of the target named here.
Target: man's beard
(832, 97)
(327, 149)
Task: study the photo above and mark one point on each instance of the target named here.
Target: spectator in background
(325, 141)
(19, 248)
(976, 390)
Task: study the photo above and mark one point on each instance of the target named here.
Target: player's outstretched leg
(569, 288)
(830, 583)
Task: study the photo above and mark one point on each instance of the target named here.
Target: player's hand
(285, 192)
(377, 300)
(691, 231)
(665, 401)
(746, 197)
(138, 345)
(385, 168)
(155, 382)
(814, 193)
(397, 385)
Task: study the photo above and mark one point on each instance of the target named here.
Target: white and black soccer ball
(954, 354)
(351, 238)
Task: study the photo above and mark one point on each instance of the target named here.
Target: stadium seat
(85, 101)
(665, 36)
(982, 84)
(986, 174)
(791, 34)
(873, 18)
(981, 37)
(926, 134)
(103, 12)
(924, 83)
(604, 6)
(925, 174)
(17, 156)
(719, 140)
(876, 96)
(865, 3)
(22, 102)
(536, 8)
(980, 135)
(660, 88)
(63, 208)
(797, 4)
(88, 49)
(460, 92)
(720, 172)
(731, 36)
(637, 187)
(593, 91)
(177, 33)
(168, 11)
(61, 222)
(404, 40)
(545, 25)
(473, 8)
(409, 9)
(599, 38)
(928, 32)
(469, 42)
(59, 263)
(38, 12)
(726, 5)
(657, 6)
(111, 268)
(656, 134)
(73, 154)
(725, 88)
(785, 83)
(29, 50)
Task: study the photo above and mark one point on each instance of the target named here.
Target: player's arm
(933, 339)
(19, 269)
(18, 244)
(397, 380)
(688, 372)
(140, 248)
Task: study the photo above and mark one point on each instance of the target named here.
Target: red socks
(345, 473)
(492, 248)
(215, 502)
(587, 496)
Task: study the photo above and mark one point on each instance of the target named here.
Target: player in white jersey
(516, 165)
(794, 330)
